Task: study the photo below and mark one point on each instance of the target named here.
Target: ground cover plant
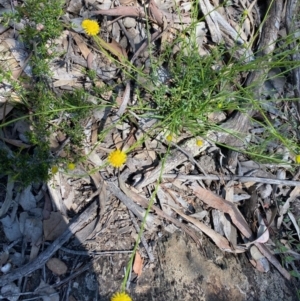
(99, 105)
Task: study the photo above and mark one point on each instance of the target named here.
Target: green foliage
(26, 166)
(41, 27)
(44, 13)
(198, 86)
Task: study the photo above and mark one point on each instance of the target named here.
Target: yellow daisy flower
(169, 138)
(90, 27)
(117, 158)
(297, 159)
(199, 142)
(121, 297)
(71, 166)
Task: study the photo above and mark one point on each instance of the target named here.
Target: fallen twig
(136, 209)
(143, 240)
(123, 106)
(241, 179)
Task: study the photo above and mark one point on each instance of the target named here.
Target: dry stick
(130, 40)
(143, 240)
(153, 38)
(291, 25)
(241, 179)
(191, 158)
(93, 253)
(77, 224)
(123, 106)
(132, 206)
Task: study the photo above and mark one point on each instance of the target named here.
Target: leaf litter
(71, 193)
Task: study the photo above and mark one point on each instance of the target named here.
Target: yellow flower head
(120, 297)
(199, 142)
(117, 158)
(169, 138)
(54, 169)
(71, 166)
(90, 27)
(297, 159)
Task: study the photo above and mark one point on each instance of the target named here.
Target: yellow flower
(90, 27)
(117, 158)
(297, 159)
(199, 142)
(169, 138)
(54, 169)
(71, 166)
(120, 297)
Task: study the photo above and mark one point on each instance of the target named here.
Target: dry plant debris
(130, 121)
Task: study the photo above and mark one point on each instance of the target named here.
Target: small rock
(129, 22)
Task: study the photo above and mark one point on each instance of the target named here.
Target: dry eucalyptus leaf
(21, 55)
(165, 201)
(15, 142)
(258, 260)
(262, 232)
(3, 257)
(265, 191)
(54, 226)
(46, 292)
(31, 227)
(221, 242)
(8, 197)
(262, 265)
(229, 230)
(255, 253)
(27, 199)
(5, 109)
(292, 217)
(284, 209)
(11, 228)
(57, 266)
(10, 289)
(138, 264)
